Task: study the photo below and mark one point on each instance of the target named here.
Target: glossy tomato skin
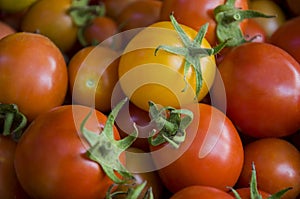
(195, 13)
(211, 155)
(93, 74)
(262, 84)
(33, 73)
(289, 43)
(10, 187)
(277, 164)
(51, 159)
(51, 18)
(156, 73)
(196, 192)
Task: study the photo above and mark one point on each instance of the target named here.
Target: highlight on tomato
(169, 64)
(33, 73)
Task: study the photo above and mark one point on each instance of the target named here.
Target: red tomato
(100, 29)
(51, 157)
(287, 37)
(196, 192)
(277, 163)
(93, 73)
(262, 89)
(195, 13)
(139, 14)
(244, 193)
(33, 73)
(211, 155)
(5, 29)
(10, 187)
(254, 32)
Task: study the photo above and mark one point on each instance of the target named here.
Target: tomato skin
(244, 193)
(196, 192)
(215, 162)
(5, 29)
(289, 43)
(13, 6)
(254, 30)
(157, 73)
(51, 18)
(294, 6)
(34, 73)
(256, 78)
(51, 159)
(93, 74)
(10, 187)
(139, 14)
(195, 13)
(276, 160)
(114, 7)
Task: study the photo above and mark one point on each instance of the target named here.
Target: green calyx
(171, 123)
(254, 193)
(133, 192)
(191, 51)
(105, 150)
(12, 120)
(228, 20)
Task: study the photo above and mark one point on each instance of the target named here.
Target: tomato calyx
(105, 150)
(191, 51)
(172, 128)
(254, 193)
(82, 15)
(228, 19)
(133, 192)
(12, 119)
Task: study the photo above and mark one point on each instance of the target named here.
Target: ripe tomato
(14, 6)
(33, 78)
(195, 13)
(196, 192)
(93, 73)
(139, 14)
(51, 157)
(253, 30)
(262, 85)
(244, 193)
(114, 7)
(10, 187)
(271, 8)
(211, 155)
(277, 163)
(5, 29)
(145, 76)
(289, 43)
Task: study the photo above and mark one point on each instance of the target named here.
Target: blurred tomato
(14, 6)
(5, 29)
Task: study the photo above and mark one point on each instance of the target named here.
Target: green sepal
(228, 19)
(105, 150)
(13, 120)
(171, 129)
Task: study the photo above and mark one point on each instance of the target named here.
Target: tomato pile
(152, 99)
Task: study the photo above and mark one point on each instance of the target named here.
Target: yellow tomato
(14, 6)
(160, 76)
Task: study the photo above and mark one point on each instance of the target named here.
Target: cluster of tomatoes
(149, 99)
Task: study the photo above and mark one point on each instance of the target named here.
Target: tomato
(294, 6)
(36, 78)
(51, 158)
(195, 13)
(114, 7)
(196, 192)
(10, 187)
(244, 193)
(139, 14)
(135, 165)
(211, 155)
(14, 6)
(277, 163)
(93, 74)
(145, 76)
(100, 29)
(51, 19)
(262, 84)
(271, 8)
(255, 32)
(5, 29)
(289, 43)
